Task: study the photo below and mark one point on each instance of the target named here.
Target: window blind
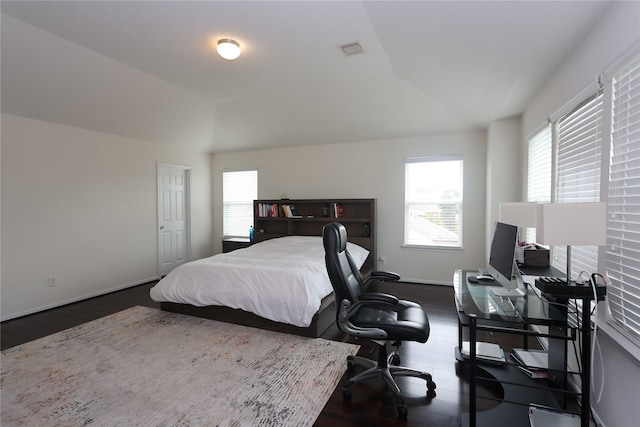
(539, 172)
(623, 228)
(239, 190)
(578, 163)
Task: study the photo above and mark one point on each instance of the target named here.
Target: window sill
(626, 344)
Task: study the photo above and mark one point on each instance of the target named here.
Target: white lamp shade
(574, 224)
(228, 49)
(520, 214)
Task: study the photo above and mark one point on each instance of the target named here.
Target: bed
(278, 284)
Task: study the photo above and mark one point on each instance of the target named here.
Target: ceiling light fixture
(228, 49)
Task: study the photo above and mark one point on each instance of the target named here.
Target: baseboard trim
(76, 299)
(424, 282)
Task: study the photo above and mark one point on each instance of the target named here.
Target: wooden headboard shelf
(270, 220)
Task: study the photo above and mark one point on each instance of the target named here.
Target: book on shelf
(290, 211)
(485, 351)
(533, 373)
(266, 210)
(533, 363)
(533, 359)
(338, 211)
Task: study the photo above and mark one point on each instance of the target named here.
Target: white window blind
(239, 190)
(433, 202)
(539, 172)
(578, 164)
(623, 228)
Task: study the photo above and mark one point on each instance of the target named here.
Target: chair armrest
(345, 325)
(381, 276)
(385, 275)
(378, 297)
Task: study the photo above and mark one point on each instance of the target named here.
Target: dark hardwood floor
(371, 404)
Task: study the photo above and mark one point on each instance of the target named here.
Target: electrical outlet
(52, 280)
(382, 259)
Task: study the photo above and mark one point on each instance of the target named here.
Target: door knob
(162, 227)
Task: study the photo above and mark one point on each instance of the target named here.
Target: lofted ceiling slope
(147, 69)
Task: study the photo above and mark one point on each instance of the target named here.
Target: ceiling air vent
(351, 49)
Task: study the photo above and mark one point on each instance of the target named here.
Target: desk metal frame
(477, 310)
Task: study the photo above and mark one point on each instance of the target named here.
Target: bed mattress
(282, 279)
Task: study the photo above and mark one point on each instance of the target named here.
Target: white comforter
(281, 279)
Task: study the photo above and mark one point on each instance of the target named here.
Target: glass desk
(477, 299)
(479, 309)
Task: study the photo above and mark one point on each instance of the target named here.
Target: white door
(173, 217)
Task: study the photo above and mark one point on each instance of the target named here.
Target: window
(239, 190)
(578, 164)
(597, 157)
(623, 227)
(433, 202)
(539, 172)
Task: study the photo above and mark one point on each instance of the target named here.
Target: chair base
(381, 369)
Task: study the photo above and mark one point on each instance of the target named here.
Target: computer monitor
(502, 259)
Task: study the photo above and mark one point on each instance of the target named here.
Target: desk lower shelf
(518, 389)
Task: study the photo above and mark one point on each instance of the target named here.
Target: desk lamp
(520, 214)
(577, 224)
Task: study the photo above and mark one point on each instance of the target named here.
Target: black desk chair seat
(382, 318)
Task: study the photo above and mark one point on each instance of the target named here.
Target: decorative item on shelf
(325, 210)
(365, 230)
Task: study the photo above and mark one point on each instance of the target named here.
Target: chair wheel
(395, 360)
(346, 394)
(350, 364)
(402, 412)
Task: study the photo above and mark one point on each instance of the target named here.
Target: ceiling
(147, 69)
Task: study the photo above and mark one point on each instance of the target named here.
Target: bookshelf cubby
(270, 220)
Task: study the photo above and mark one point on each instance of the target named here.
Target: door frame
(187, 201)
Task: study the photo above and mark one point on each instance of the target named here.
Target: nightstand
(233, 243)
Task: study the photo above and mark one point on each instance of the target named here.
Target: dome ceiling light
(229, 49)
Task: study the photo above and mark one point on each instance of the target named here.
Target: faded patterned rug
(145, 367)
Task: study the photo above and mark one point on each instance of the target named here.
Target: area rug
(146, 367)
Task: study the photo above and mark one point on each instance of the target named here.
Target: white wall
(503, 170)
(373, 169)
(81, 205)
(610, 37)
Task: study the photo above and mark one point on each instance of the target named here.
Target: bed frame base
(322, 320)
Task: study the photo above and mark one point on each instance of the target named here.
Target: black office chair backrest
(344, 275)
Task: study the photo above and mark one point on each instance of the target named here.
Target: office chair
(382, 318)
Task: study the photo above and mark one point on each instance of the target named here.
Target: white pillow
(358, 253)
